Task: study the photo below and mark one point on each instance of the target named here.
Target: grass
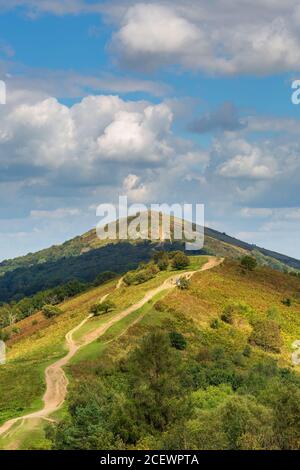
(94, 350)
(192, 311)
(22, 378)
(189, 312)
(126, 296)
(26, 435)
(211, 291)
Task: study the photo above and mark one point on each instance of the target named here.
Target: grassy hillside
(41, 341)
(221, 375)
(224, 370)
(85, 256)
(264, 256)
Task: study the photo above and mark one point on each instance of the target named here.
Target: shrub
(50, 311)
(180, 260)
(247, 351)
(215, 324)
(272, 313)
(287, 302)
(183, 283)
(238, 359)
(218, 353)
(141, 275)
(103, 307)
(160, 306)
(163, 262)
(161, 258)
(249, 263)
(15, 330)
(266, 335)
(177, 340)
(204, 354)
(227, 315)
(234, 309)
(104, 277)
(4, 335)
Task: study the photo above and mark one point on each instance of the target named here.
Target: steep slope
(226, 391)
(267, 255)
(86, 256)
(56, 380)
(222, 366)
(215, 243)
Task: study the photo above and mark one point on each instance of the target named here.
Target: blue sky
(162, 101)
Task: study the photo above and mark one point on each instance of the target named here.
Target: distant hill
(223, 237)
(86, 256)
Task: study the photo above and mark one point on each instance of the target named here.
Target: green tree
(215, 324)
(51, 311)
(104, 277)
(183, 283)
(287, 418)
(247, 424)
(163, 262)
(177, 340)
(141, 275)
(103, 307)
(4, 335)
(180, 260)
(249, 263)
(228, 314)
(155, 370)
(266, 335)
(161, 258)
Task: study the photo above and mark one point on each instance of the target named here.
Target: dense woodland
(160, 397)
(119, 258)
(14, 311)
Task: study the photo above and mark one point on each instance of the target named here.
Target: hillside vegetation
(40, 341)
(223, 390)
(204, 367)
(84, 257)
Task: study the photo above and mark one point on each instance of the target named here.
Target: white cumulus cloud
(215, 37)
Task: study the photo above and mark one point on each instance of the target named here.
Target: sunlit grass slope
(22, 378)
(256, 294)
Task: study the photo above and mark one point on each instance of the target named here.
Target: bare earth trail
(56, 380)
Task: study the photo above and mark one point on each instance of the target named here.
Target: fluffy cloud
(248, 165)
(155, 33)
(213, 37)
(54, 156)
(99, 129)
(217, 37)
(224, 118)
(135, 190)
(137, 135)
(260, 160)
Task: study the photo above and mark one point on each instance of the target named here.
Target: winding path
(56, 380)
